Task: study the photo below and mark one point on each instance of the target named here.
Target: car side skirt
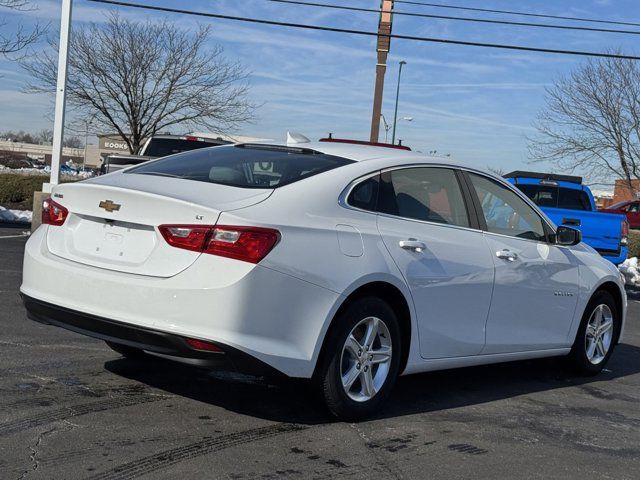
(458, 362)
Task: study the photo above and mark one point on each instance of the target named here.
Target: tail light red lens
(188, 237)
(53, 213)
(624, 234)
(249, 244)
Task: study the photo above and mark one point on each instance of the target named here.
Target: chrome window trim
(342, 199)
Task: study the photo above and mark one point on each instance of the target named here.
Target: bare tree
(142, 78)
(592, 121)
(20, 38)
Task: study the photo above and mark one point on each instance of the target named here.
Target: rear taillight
(189, 237)
(624, 234)
(249, 244)
(53, 213)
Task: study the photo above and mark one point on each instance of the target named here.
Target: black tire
(328, 374)
(127, 352)
(578, 360)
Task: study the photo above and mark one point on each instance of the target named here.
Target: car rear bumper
(150, 340)
(615, 257)
(267, 315)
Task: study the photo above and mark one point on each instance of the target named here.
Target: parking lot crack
(34, 450)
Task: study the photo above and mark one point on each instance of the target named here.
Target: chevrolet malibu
(344, 263)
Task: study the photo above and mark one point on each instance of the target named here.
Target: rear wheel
(361, 359)
(596, 336)
(125, 351)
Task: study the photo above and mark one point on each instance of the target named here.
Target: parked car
(345, 264)
(630, 208)
(159, 146)
(566, 201)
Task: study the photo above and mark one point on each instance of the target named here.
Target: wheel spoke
(382, 355)
(600, 347)
(591, 331)
(591, 349)
(350, 377)
(353, 346)
(598, 317)
(371, 333)
(367, 383)
(605, 327)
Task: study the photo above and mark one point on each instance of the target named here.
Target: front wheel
(361, 359)
(596, 336)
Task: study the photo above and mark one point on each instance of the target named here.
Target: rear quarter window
(243, 166)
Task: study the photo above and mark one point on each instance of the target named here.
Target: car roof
(360, 153)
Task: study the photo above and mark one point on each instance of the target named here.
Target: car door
(536, 282)
(633, 214)
(426, 227)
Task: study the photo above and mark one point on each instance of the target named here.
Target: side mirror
(568, 236)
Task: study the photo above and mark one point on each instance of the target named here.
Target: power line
(463, 19)
(524, 14)
(366, 33)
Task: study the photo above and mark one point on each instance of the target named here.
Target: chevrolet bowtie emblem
(109, 206)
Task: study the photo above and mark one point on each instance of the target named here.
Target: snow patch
(23, 216)
(629, 268)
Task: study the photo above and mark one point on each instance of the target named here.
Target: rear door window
(260, 166)
(423, 193)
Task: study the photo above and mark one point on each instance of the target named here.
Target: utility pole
(383, 47)
(395, 114)
(61, 95)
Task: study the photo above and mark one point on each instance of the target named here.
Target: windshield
(557, 197)
(161, 147)
(243, 166)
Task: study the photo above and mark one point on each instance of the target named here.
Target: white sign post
(61, 95)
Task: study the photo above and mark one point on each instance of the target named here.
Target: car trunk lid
(112, 221)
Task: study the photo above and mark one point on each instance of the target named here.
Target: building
(603, 198)
(622, 192)
(41, 153)
(108, 144)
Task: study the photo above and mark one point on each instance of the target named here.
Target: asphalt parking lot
(71, 408)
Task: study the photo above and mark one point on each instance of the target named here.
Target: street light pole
(61, 95)
(395, 115)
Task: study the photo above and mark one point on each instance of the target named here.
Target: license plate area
(121, 243)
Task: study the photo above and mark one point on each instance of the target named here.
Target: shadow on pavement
(297, 402)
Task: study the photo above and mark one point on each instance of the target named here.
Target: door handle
(413, 245)
(507, 255)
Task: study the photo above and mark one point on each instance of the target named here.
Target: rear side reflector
(624, 234)
(249, 244)
(53, 213)
(203, 345)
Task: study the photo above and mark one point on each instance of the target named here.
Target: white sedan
(344, 263)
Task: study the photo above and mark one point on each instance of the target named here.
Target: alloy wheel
(366, 359)
(599, 334)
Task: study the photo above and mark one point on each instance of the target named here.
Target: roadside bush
(16, 191)
(634, 243)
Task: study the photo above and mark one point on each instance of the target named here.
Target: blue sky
(476, 104)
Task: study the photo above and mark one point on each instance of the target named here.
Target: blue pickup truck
(566, 201)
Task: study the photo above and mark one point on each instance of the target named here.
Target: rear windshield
(161, 147)
(243, 166)
(557, 197)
